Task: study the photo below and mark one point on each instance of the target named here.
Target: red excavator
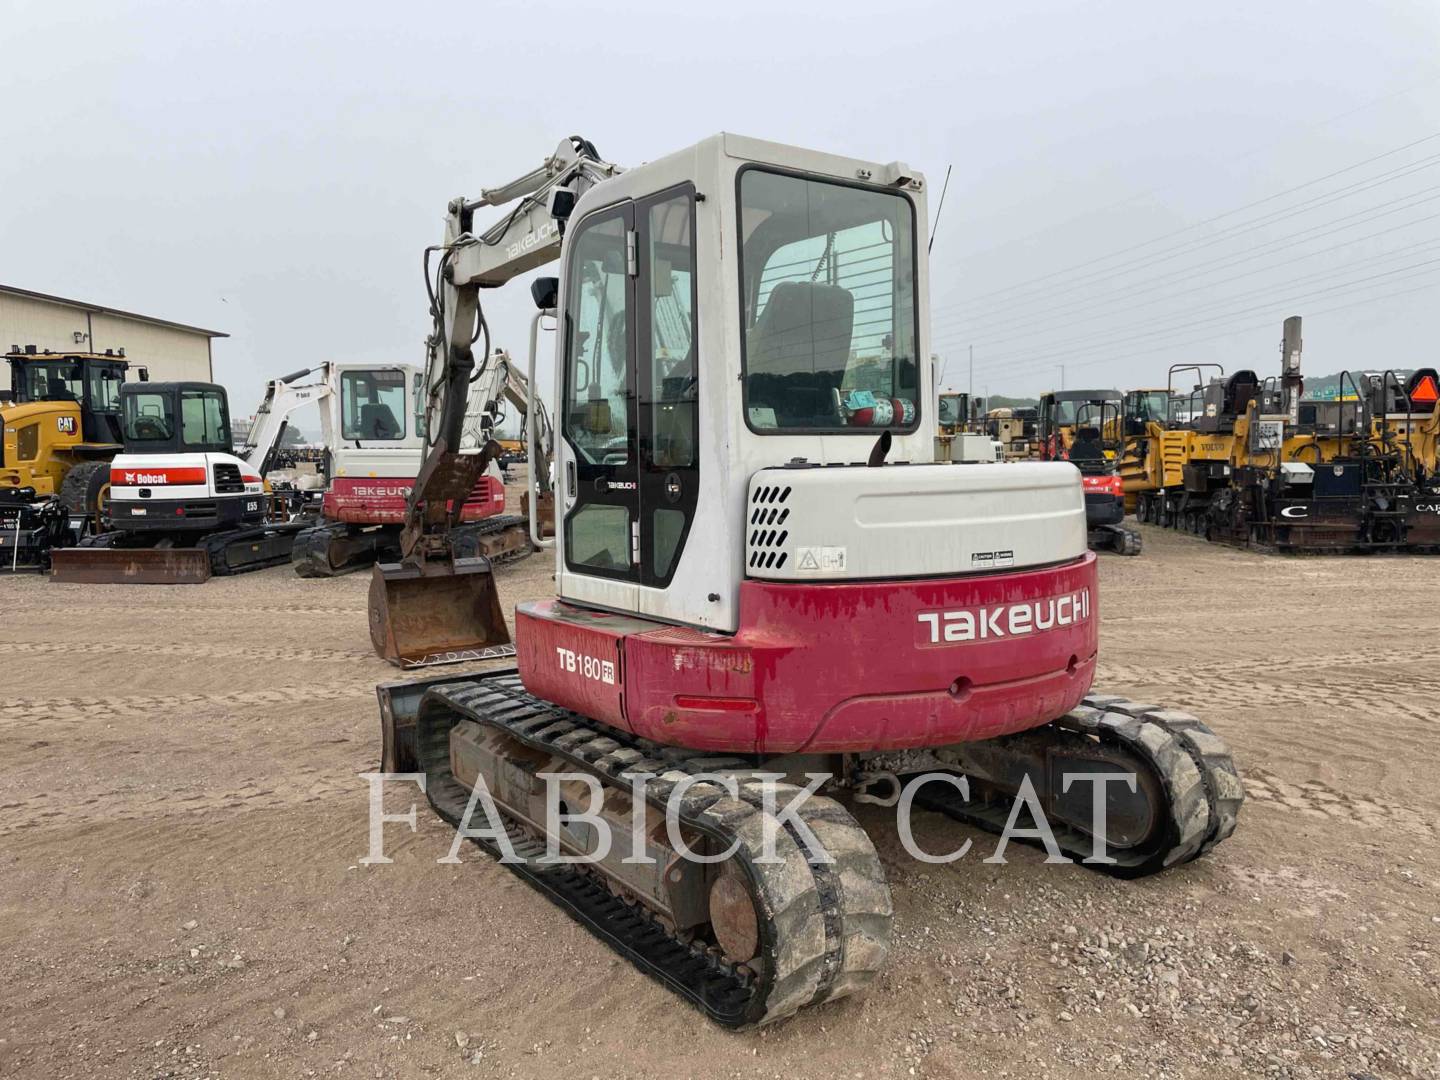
(758, 568)
(370, 422)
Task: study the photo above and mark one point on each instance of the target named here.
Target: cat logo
(65, 425)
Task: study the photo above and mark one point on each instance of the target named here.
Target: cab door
(629, 478)
(599, 458)
(669, 395)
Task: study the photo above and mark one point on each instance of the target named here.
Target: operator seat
(1087, 445)
(377, 421)
(797, 351)
(1241, 388)
(56, 390)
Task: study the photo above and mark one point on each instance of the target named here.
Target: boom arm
(282, 398)
(528, 237)
(500, 383)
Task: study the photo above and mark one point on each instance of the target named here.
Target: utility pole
(1062, 375)
(971, 396)
(1291, 382)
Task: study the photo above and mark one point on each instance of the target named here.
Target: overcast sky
(274, 170)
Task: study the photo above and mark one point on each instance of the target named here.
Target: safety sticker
(992, 560)
(820, 560)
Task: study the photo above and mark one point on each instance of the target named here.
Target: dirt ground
(181, 822)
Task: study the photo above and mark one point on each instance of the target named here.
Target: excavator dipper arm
(436, 602)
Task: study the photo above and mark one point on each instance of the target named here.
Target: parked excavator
(758, 567)
(182, 505)
(371, 420)
(1083, 428)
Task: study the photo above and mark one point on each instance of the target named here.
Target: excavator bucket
(130, 566)
(435, 613)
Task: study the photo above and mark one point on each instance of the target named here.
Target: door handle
(570, 479)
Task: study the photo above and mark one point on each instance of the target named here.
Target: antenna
(936, 223)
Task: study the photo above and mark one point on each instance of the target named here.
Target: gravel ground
(181, 822)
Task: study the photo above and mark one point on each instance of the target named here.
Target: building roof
(99, 309)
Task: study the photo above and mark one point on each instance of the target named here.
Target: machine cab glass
(829, 307)
(175, 418)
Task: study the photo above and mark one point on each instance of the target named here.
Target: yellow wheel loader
(61, 419)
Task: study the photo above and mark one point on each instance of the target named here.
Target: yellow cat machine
(61, 421)
(1405, 425)
(1083, 428)
(1014, 431)
(1255, 466)
(958, 434)
(1143, 415)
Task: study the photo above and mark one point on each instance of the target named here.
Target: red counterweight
(852, 666)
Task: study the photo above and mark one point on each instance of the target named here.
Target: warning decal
(820, 560)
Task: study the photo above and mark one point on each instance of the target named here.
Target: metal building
(170, 350)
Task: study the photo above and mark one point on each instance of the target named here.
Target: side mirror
(545, 292)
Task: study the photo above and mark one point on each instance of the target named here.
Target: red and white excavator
(759, 566)
(371, 421)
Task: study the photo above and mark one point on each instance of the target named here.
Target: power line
(1233, 330)
(1128, 292)
(1287, 301)
(1370, 214)
(1023, 360)
(1349, 266)
(1211, 220)
(1313, 126)
(1221, 237)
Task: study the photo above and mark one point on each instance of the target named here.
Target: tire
(86, 489)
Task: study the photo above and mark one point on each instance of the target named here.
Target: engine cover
(852, 522)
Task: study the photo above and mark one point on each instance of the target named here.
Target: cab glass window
(828, 306)
(58, 381)
(203, 423)
(148, 417)
(597, 367)
(597, 396)
(105, 383)
(372, 405)
(674, 374)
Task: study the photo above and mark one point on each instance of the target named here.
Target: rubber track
(1224, 790)
(500, 523)
(214, 545)
(311, 554)
(217, 543)
(825, 927)
(1202, 790)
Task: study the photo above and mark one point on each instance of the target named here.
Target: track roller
(747, 941)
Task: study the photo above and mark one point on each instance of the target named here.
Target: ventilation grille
(768, 534)
(227, 479)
